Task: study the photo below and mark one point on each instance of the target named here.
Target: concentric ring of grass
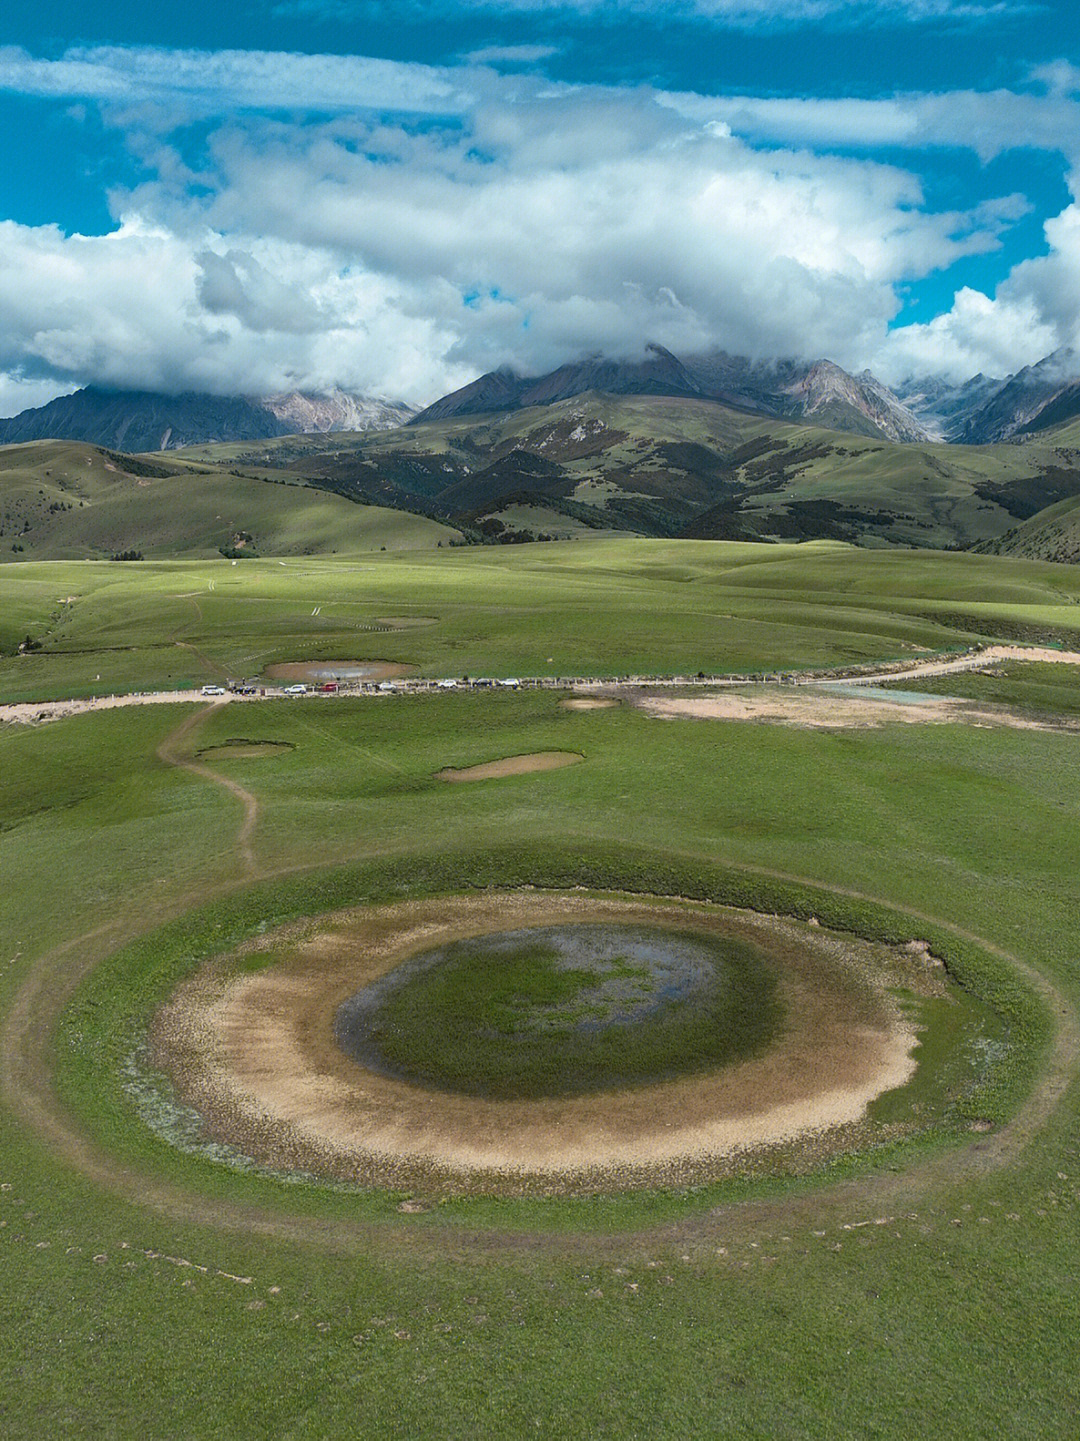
(556, 1011)
(108, 1016)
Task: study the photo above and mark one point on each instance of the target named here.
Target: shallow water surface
(552, 1009)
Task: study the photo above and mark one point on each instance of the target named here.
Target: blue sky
(277, 194)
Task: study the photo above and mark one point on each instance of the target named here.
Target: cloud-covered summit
(302, 221)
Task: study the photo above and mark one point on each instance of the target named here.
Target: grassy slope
(1053, 534)
(599, 607)
(929, 492)
(190, 510)
(957, 1315)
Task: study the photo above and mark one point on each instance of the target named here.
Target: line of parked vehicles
(332, 687)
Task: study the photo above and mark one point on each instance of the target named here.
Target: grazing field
(601, 608)
(158, 1283)
(1051, 534)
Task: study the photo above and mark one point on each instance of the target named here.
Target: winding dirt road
(168, 752)
(38, 712)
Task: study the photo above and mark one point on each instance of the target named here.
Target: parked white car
(297, 689)
(213, 690)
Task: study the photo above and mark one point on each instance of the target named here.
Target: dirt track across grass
(588, 694)
(975, 660)
(171, 751)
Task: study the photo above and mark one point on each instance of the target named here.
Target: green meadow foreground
(156, 1288)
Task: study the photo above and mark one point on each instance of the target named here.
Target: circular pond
(237, 748)
(545, 1043)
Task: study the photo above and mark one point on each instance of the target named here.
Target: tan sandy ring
(254, 1053)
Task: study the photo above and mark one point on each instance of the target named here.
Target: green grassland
(665, 466)
(604, 606)
(930, 1289)
(66, 500)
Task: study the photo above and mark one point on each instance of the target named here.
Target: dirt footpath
(36, 711)
(989, 655)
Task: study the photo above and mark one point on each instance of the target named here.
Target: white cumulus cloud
(442, 222)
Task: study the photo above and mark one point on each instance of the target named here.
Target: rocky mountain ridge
(305, 413)
(981, 410)
(820, 392)
(1020, 405)
(137, 421)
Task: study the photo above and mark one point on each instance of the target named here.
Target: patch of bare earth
(511, 766)
(255, 1054)
(823, 709)
(587, 703)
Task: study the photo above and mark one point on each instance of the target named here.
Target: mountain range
(710, 446)
(137, 421)
(979, 411)
(646, 465)
(818, 391)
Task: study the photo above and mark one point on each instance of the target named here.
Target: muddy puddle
(511, 766)
(557, 1010)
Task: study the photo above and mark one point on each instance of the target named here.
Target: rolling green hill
(1052, 534)
(677, 467)
(659, 466)
(62, 500)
